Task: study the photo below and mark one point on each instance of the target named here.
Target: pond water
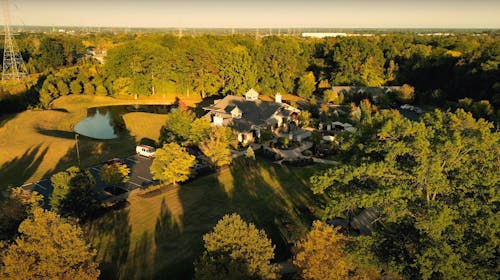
(107, 122)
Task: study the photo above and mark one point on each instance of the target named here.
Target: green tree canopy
(73, 193)
(172, 164)
(236, 250)
(179, 123)
(434, 184)
(217, 146)
(320, 255)
(115, 173)
(15, 208)
(307, 85)
(49, 248)
(199, 131)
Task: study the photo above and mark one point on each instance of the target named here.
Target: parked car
(115, 160)
(145, 151)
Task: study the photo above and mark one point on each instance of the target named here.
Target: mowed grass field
(160, 236)
(37, 143)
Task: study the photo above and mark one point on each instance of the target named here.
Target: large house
(248, 114)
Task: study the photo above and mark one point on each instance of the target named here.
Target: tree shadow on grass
(110, 235)
(274, 199)
(20, 169)
(56, 133)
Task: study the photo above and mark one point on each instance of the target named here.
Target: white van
(146, 151)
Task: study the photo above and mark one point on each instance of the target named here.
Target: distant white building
(323, 35)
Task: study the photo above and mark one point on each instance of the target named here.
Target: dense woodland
(440, 68)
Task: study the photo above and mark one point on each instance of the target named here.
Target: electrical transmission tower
(13, 64)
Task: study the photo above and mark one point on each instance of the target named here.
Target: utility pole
(13, 64)
(77, 150)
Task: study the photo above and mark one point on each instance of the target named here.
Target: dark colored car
(115, 160)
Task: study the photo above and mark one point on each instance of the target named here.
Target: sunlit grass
(165, 231)
(36, 143)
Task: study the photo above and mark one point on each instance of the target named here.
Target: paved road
(140, 177)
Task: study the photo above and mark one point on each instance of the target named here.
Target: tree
(330, 95)
(238, 71)
(114, 174)
(62, 87)
(199, 131)
(51, 53)
(101, 90)
(15, 208)
(432, 183)
(304, 118)
(88, 89)
(76, 87)
(49, 248)
(250, 154)
(216, 147)
(73, 193)
(172, 164)
(320, 255)
(179, 123)
(405, 94)
(307, 85)
(236, 250)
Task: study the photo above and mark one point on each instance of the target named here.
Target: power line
(13, 64)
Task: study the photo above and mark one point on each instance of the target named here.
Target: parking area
(140, 177)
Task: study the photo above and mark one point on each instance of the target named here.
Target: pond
(107, 122)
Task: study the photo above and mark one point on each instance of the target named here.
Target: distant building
(372, 91)
(323, 35)
(334, 34)
(248, 115)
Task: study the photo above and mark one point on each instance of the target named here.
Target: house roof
(370, 90)
(254, 113)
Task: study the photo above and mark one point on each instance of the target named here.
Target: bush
(268, 154)
(307, 153)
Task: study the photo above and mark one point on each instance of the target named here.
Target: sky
(259, 13)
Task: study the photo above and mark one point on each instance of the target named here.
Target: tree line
(441, 69)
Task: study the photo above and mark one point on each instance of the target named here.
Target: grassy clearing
(35, 143)
(161, 236)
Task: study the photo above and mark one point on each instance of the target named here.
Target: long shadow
(179, 238)
(20, 169)
(56, 133)
(110, 235)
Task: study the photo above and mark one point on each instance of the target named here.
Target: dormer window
(236, 113)
(252, 95)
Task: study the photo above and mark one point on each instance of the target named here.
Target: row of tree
(440, 68)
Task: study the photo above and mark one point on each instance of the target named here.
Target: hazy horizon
(480, 14)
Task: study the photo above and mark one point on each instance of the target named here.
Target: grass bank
(36, 143)
(160, 236)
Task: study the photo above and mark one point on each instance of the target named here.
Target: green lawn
(160, 236)
(36, 143)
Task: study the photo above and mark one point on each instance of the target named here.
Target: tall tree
(199, 131)
(172, 164)
(217, 146)
(115, 173)
(320, 255)
(434, 184)
(179, 123)
(51, 53)
(49, 248)
(73, 193)
(236, 250)
(238, 71)
(15, 208)
(307, 85)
